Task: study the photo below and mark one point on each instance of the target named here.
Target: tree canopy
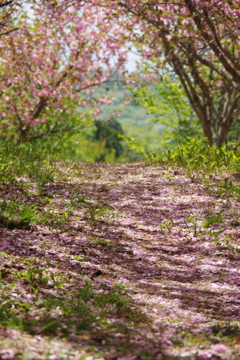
(53, 64)
(198, 41)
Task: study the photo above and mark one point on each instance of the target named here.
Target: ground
(125, 262)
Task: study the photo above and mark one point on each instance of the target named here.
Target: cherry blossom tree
(56, 61)
(8, 11)
(198, 41)
(52, 66)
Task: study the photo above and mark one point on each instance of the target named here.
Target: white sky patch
(132, 60)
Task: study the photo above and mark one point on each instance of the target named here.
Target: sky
(132, 58)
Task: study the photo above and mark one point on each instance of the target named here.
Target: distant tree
(108, 132)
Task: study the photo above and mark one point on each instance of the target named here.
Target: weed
(93, 211)
(227, 329)
(212, 219)
(78, 202)
(227, 243)
(215, 235)
(168, 224)
(198, 156)
(80, 257)
(236, 191)
(17, 215)
(41, 177)
(103, 188)
(39, 277)
(23, 161)
(234, 222)
(61, 312)
(188, 221)
(53, 219)
(102, 242)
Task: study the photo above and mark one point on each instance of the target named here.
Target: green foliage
(59, 312)
(226, 329)
(234, 133)
(109, 132)
(58, 123)
(39, 296)
(93, 210)
(168, 105)
(211, 218)
(132, 118)
(17, 215)
(54, 219)
(102, 242)
(25, 170)
(198, 155)
(27, 176)
(167, 225)
(95, 143)
(26, 160)
(196, 158)
(142, 148)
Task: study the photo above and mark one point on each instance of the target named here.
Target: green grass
(198, 155)
(212, 218)
(53, 310)
(18, 163)
(17, 215)
(201, 162)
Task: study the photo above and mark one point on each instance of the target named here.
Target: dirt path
(171, 241)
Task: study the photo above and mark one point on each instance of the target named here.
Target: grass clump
(19, 162)
(201, 161)
(24, 173)
(226, 329)
(199, 155)
(54, 310)
(17, 215)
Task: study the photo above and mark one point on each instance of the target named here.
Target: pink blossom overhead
(56, 61)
